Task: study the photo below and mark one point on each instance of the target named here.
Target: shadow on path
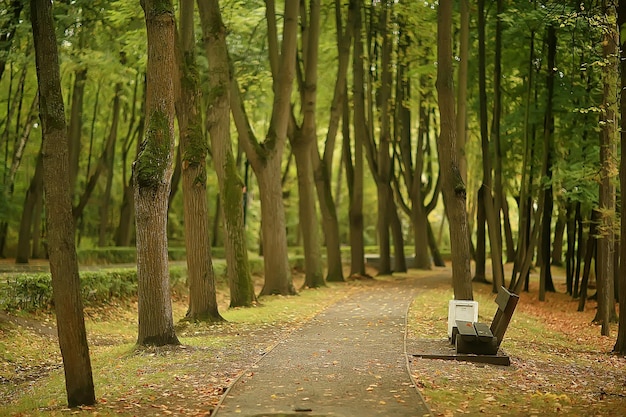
(349, 360)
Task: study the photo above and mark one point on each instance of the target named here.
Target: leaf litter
(560, 363)
(553, 372)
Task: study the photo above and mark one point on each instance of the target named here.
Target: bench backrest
(506, 301)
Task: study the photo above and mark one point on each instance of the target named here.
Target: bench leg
(477, 348)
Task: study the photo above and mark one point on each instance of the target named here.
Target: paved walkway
(349, 361)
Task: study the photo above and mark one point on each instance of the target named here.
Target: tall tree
(63, 259)
(230, 183)
(125, 229)
(454, 192)
(492, 212)
(354, 165)
(266, 157)
(461, 105)
(608, 170)
(379, 93)
(322, 164)
(152, 172)
(34, 194)
(620, 344)
(109, 163)
(545, 278)
(303, 140)
(193, 149)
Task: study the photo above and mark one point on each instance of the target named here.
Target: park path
(348, 361)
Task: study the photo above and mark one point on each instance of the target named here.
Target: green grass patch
(152, 381)
(560, 363)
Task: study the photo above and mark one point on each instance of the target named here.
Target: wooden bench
(481, 339)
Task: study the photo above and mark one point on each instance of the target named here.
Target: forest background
(352, 155)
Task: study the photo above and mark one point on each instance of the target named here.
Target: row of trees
(526, 135)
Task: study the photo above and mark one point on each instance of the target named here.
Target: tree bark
(125, 229)
(419, 213)
(480, 254)
(355, 168)
(322, 165)
(545, 278)
(461, 103)
(33, 195)
(103, 235)
(591, 253)
(63, 260)
(492, 212)
(230, 183)
(76, 123)
(303, 141)
(620, 344)
(152, 172)
(265, 158)
(525, 203)
(608, 170)
(454, 192)
(383, 175)
(557, 243)
(193, 151)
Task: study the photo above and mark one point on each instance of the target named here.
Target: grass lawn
(560, 363)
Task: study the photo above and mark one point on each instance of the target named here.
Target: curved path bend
(348, 361)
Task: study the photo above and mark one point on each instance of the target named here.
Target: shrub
(33, 292)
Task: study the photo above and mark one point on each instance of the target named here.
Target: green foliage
(33, 292)
(28, 292)
(126, 255)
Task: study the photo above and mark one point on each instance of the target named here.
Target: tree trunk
(278, 279)
(608, 170)
(620, 344)
(383, 176)
(230, 183)
(110, 160)
(454, 192)
(322, 165)
(461, 103)
(499, 195)
(419, 214)
(303, 142)
(417, 191)
(557, 243)
(591, 253)
(434, 249)
(525, 201)
(580, 248)
(76, 123)
(63, 259)
(399, 261)
(570, 254)
(545, 278)
(265, 158)
(33, 195)
(354, 176)
(152, 172)
(193, 154)
(492, 212)
(125, 228)
(480, 254)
